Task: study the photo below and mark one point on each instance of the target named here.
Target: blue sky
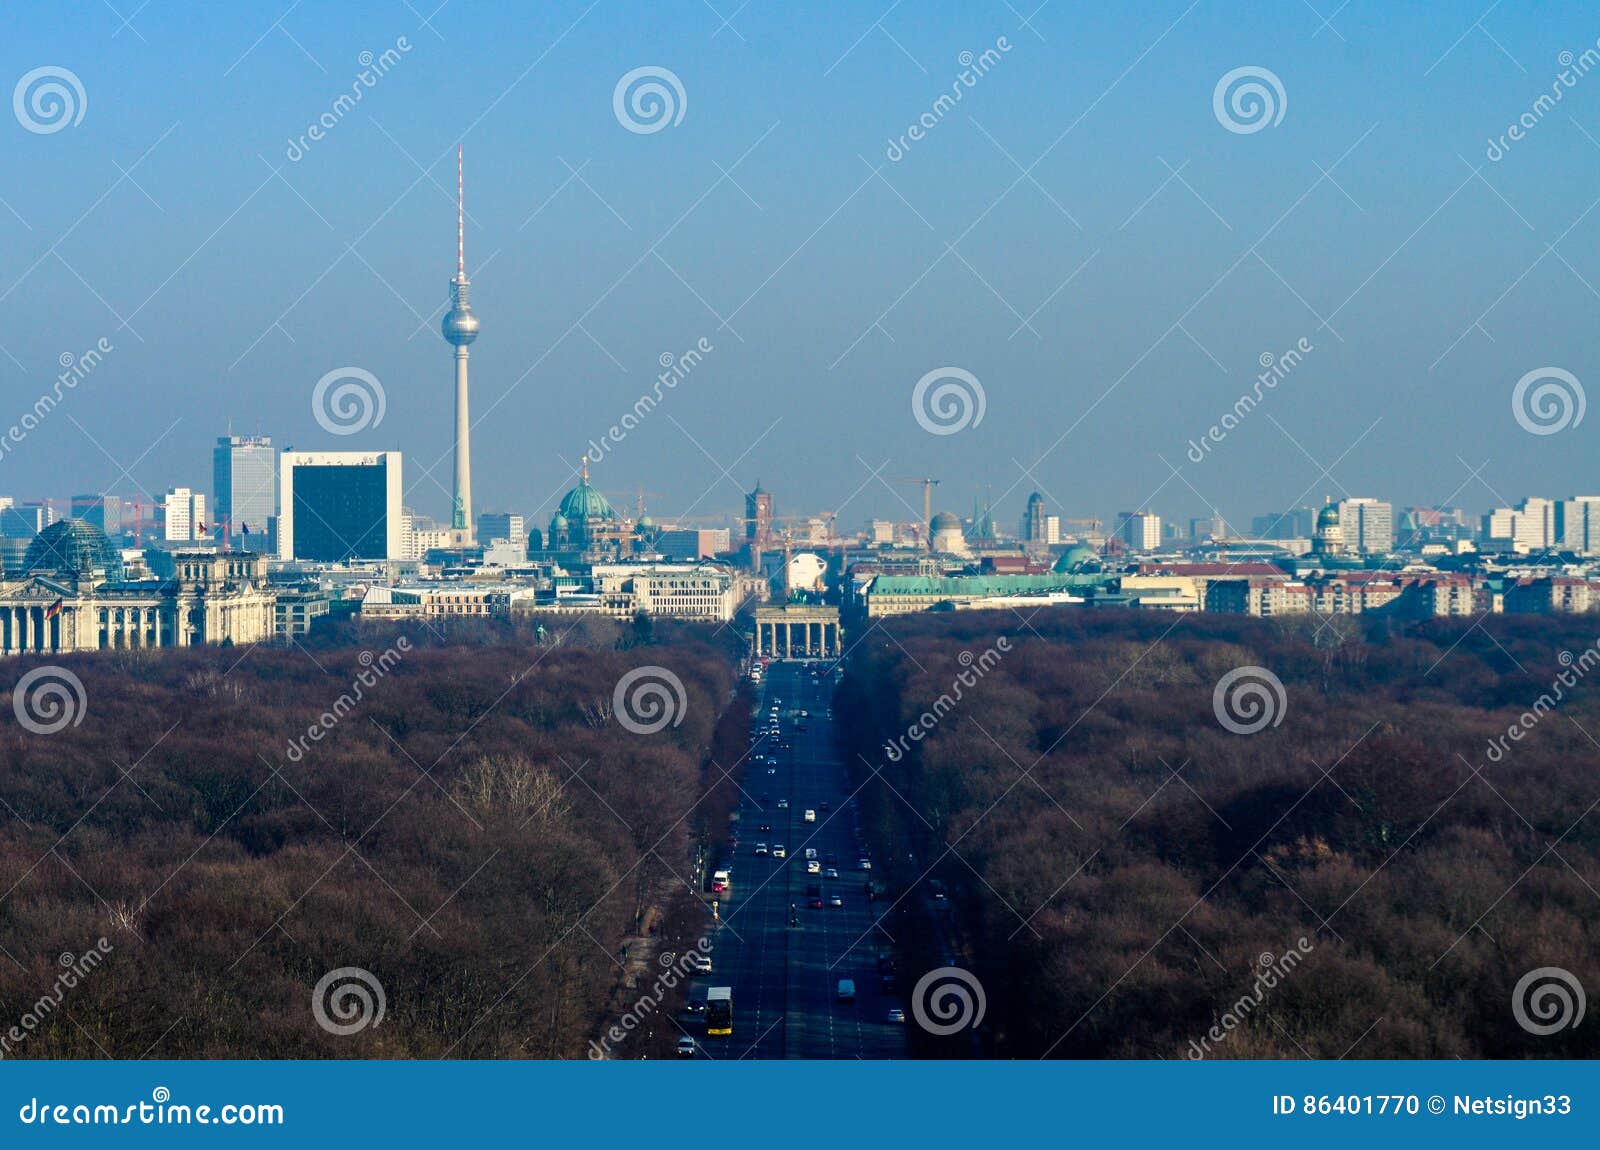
(1084, 184)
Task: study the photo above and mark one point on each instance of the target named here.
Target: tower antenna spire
(461, 215)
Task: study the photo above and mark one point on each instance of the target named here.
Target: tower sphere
(460, 326)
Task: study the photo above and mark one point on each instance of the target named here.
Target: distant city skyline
(1087, 247)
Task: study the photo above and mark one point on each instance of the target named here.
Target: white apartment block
(183, 513)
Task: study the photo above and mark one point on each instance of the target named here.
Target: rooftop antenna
(461, 217)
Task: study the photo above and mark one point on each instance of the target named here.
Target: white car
(811, 853)
(699, 963)
(779, 851)
(811, 815)
(813, 867)
(783, 804)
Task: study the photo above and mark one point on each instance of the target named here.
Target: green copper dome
(1075, 558)
(584, 502)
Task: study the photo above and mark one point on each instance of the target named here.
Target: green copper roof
(584, 502)
(957, 586)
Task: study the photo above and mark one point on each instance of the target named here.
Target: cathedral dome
(72, 547)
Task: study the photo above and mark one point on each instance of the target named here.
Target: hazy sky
(1082, 233)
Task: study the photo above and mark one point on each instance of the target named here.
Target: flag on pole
(54, 609)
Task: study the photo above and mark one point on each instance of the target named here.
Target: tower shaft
(461, 512)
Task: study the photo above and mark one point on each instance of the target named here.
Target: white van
(811, 815)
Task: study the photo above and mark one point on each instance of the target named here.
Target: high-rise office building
(1577, 524)
(494, 525)
(1368, 525)
(26, 521)
(244, 483)
(340, 506)
(1140, 530)
(1533, 525)
(100, 509)
(183, 515)
(1299, 523)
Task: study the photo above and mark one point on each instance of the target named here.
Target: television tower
(460, 328)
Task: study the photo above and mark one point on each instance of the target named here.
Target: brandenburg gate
(796, 631)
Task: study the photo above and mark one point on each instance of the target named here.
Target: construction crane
(638, 495)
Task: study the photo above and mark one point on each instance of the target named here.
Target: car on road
(783, 804)
(811, 853)
(761, 850)
(772, 770)
(822, 806)
(686, 1047)
(865, 864)
(764, 827)
(831, 872)
(895, 1015)
(813, 867)
(810, 815)
(779, 851)
(816, 903)
(847, 990)
(696, 1006)
(699, 963)
(835, 900)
